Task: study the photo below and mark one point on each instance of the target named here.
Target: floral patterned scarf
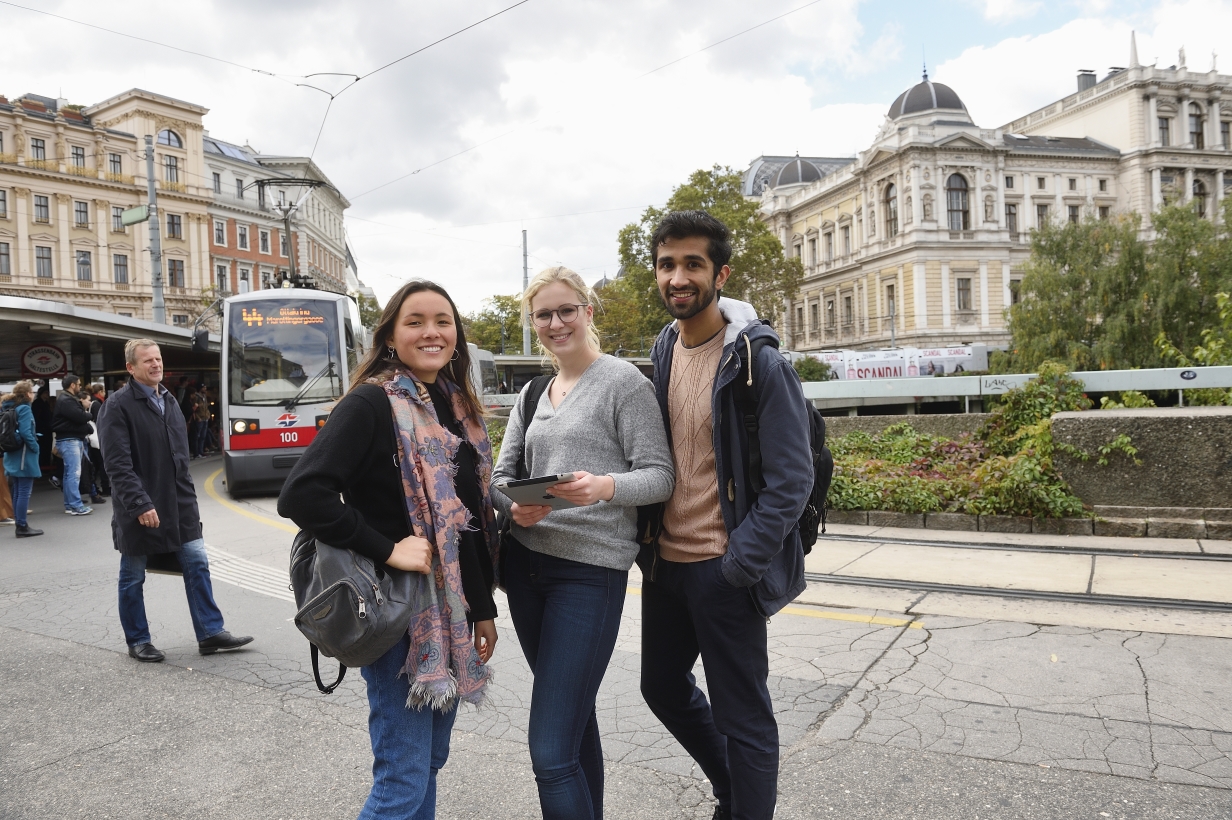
(443, 665)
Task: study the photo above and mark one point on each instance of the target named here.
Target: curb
(1113, 527)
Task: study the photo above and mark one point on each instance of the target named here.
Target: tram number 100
(289, 438)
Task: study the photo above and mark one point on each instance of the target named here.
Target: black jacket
(347, 489)
(145, 454)
(70, 419)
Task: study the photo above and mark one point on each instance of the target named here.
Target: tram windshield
(284, 352)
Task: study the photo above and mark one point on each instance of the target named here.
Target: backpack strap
(316, 672)
(745, 395)
(530, 400)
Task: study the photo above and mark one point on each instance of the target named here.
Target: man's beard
(704, 298)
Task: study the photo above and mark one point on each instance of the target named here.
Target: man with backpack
(728, 553)
(71, 424)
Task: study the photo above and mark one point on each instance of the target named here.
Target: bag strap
(530, 401)
(745, 395)
(316, 672)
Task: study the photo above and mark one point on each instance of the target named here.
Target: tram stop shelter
(46, 339)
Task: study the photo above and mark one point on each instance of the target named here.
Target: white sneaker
(6, 521)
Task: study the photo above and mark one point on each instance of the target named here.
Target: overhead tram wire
(390, 64)
(275, 75)
(532, 122)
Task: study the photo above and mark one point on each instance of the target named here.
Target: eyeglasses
(567, 313)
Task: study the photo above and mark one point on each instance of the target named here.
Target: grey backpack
(348, 609)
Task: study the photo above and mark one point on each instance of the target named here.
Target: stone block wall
(1186, 455)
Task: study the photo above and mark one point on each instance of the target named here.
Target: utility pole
(287, 209)
(156, 247)
(525, 313)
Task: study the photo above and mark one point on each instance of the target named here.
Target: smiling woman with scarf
(400, 473)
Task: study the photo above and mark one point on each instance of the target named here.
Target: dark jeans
(101, 484)
(206, 619)
(20, 489)
(691, 609)
(567, 615)
(196, 437)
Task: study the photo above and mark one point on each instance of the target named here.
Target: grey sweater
(609, 424)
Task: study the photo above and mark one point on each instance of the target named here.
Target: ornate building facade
(67, 173)
(920, 240)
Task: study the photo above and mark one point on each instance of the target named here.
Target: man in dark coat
(154, 504)
(71, 424)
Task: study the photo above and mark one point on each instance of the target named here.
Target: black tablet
(533, 491)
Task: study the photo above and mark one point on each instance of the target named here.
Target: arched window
(169, 137)
(1199, 197)
(891, 210)
(1195, 126)
(956, 203)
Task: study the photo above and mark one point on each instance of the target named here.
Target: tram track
(1022, 594)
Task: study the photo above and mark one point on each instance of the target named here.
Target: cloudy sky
(551, 116)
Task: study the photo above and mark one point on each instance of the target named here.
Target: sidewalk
(983, 571)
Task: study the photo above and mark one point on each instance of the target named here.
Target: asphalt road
(882, 715)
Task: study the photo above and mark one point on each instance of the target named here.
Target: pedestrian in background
(408, 444)
(43, 409)
(71, 424)
(566, 571)
(200, 425)
(729, 554)
(21, 467)
(154, 508)
(101, 486)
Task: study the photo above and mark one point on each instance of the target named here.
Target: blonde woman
(565, 571)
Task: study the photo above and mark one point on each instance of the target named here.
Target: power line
(638, 77)
(151, 42)
(357, 78)
(732, 37)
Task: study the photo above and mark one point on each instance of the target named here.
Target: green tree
(811, 370)
(369, 310)
(483, 327)
(1097, 296)
(1215, 351)
(761, 274)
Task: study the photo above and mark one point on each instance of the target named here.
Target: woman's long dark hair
(379, 365)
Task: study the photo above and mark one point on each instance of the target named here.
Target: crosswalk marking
(249, 575)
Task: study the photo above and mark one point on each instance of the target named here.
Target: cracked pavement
(933, 716)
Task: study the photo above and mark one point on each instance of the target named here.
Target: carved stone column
(21, 206)
(67, 264)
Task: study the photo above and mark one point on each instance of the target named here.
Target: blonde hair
(131, 346)
(585, 295)
(22, 392)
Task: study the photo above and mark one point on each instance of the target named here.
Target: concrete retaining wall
(1186, 455)
(947, 425)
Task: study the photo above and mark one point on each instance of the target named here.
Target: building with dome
(921, 239)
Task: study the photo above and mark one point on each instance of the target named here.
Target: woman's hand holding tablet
(534, 498)
(585, 489)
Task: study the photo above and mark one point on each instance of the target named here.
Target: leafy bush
(1129, 398)
(496, 434)
(811, 370)
(1005, 470)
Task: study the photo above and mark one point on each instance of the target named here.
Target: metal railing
(968, 387)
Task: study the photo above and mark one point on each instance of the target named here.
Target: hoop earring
(454, 357)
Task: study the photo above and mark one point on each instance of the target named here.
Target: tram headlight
(240, 427)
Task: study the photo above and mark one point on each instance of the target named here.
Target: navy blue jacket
(763, 534)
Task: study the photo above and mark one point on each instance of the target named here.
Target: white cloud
(586, 135)
(1003, 81)
(1001, 11)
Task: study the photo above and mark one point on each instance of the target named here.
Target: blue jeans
(72, 450)
(206, 619)
(20, 489)
(567, 615)
(690, 610)
(409, 746)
